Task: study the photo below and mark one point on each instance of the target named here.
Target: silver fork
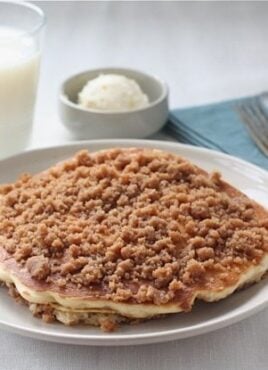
(253, 115)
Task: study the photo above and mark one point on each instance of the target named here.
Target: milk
(19, 65)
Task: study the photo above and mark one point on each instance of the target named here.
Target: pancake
(124, 235)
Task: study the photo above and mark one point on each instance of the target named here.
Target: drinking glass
(21, 31)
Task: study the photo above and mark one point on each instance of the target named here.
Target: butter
(111, 93)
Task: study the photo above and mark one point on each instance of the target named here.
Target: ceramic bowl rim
(66, 101)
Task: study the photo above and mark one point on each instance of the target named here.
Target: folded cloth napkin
(216, 126)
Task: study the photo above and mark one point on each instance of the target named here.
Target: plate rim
(80, 143)
(140, 338)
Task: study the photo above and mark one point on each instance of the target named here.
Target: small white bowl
(93, 124)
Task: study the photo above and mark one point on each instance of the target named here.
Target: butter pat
(112, 92)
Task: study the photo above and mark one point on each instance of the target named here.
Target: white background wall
(206, 51)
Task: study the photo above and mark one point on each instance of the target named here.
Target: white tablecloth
(206, 52)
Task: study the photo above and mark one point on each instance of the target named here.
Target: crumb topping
(130, 225)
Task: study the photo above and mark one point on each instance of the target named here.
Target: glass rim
(32, 7)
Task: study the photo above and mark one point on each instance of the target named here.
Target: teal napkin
(216, 126)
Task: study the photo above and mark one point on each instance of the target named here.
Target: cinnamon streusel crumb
(129, 225)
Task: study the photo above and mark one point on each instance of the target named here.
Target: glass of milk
(21, 28)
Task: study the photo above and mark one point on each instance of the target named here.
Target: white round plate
(205, 317)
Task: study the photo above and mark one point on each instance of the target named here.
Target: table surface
(206, 52)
